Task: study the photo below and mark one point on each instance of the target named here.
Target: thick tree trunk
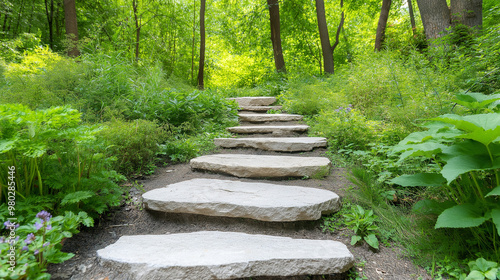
(467, 12)
(70, 21)
(274, 14)
(435, 17)
(412, 17)
(201, 67)
(382, 24)
(324, 37)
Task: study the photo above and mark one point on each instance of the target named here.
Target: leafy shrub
(53, 155)
(363, 224)
(135, 144)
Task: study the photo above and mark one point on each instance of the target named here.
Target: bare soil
(131, 219)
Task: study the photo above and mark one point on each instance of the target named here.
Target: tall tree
(138, 25)
(274, 14)
(382, 24)
(412, 17)
(467, 12)
(201, 67)
(326, 48)
(49, 11)
(435, 17)
(70, 21)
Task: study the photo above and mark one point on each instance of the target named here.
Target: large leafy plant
(467, 152)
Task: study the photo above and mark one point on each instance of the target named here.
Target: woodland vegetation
(93, 93)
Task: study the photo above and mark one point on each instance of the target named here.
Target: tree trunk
(324, 37)
(340, 27)
(435, 17)
(49, 11)
(467, 12)
(382, 24)
(412, 17)
(201, 67)
(137, 29)
(193, 42)
(71, 25)
(274, 14)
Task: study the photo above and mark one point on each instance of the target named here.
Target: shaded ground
(132, 219)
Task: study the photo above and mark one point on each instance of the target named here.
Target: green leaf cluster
(363, 223)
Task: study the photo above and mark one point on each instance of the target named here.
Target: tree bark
(382, 24)
(49, 11)
(135, 4)
(201, 67)
(412, 17)
(70, 21)
(274, 15)
(324, 38)
(467, 12)
(435, 17)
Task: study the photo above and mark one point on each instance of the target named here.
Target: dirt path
(131, 219)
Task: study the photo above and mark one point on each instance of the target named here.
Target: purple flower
(10, 225)
(46, 244)
(38, 226)
(49, 227)
(36, 252)
(30, 238)
(44, 215)
(2, 239)
(25, 248)
(348, 109)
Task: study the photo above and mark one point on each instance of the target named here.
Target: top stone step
(254, 101)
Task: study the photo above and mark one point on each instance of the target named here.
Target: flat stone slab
(259, 201)
(259, 108)
(259, 166)
(282, 144)
(254, 101)
(269, 117)
(275, 129)
(223, 255)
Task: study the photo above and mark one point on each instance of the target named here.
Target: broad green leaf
(460, 216)
(427, 206)
(76, 197)
(6, 145)
(483, 265)
(372, 241)
(426, 149)
(355, 239)
(483, 128)
(495, 191)
(475, 275)
(419, 180)
(491, 274)
(459, 165)
(495, 217)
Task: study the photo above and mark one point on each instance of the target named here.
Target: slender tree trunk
(340, 27)
(19, 16)
(274, 15)
(382, 24)
(71, 24)
(412, 17)
(201, 84)
(435, 17)
(193, 43)
(467, 12)
(137, 20)
(324, 37)
(49, 11)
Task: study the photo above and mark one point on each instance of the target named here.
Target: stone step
(274, 129)
(261, 166)
(254, 101)
(259, 201)
(269, 117)
(223, 255)
(260, 108)
(283, 144)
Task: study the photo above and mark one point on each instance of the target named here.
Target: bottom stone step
(223, 255)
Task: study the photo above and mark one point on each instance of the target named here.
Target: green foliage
(466, 148)
(37, 244)
(135, 144)
(482, 269)
(363, 224)
(49, 153)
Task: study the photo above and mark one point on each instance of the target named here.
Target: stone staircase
(233, 255)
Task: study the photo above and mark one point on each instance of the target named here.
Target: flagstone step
(269, 117)
(260, 108)
(259, 201)
(254, 101)
(264, 129)
(223, 255)
(260, 166)
(279, 144)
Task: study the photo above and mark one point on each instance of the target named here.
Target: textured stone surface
(259, 201)
(259, 108)
(258, 166)
(269, 117)
(283, 144)
(254, 101)
(223, 255)
(275, 129)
